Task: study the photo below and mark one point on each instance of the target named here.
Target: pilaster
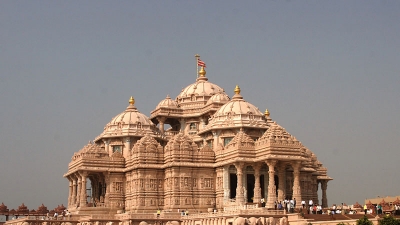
(239, 189)
(296, 181)
(281, 185)
(324, 187)
(257, 186)
(271, 184)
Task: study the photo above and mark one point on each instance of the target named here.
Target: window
(192, 126)
(117, 148)
(227, 140)
(139, 125)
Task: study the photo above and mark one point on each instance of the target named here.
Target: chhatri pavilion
(205, 149)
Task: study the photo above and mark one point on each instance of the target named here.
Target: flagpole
(197, 56)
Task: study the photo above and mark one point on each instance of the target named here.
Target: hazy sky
(328, 71)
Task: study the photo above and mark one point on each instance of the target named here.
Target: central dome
(200, 91)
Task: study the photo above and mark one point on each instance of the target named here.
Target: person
(263, 202)
(379, 209)
(291, 203)
(310, 203)
(365, 209)
(55, 215)
(303, 203)
(158, 213)
(294, 202)
(291, 206)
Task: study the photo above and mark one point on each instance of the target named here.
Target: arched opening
(250, 187)
(232, 185)
(276, 178)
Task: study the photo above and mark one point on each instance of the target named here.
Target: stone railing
(151, 216)
(240, 207)
(33, 221)
(251, 210)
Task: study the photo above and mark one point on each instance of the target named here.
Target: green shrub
(389, 220)
(364, 221)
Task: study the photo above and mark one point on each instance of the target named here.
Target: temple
(202, 150)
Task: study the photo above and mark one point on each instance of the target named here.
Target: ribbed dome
(219, 97)
(237, 113)
(200, 91)
(129, 122)
(130, 116)
(167, 103)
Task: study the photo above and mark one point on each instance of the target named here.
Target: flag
(201, 63)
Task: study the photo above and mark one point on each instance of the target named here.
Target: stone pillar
(127, 147)
(219, 221)
(296, 181)
(161, 121)
(107, 147)
(70, 190)
(315, 191)
(324, 186)
(78, 190)
(282, 181)
(239, 189)
(83, 197)
(224, 221)
(225, 181)
(74, 187)
(202, 122)
(271, 184)
(183, 125)
(108, 189)
(257, 186)
(215, 140)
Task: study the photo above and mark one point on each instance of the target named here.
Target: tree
(364, 221)
(389, 220)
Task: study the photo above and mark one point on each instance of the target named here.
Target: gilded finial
(237, 89)
(202, 72)
(131, 101)
(266, 113)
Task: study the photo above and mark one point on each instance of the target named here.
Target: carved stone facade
(202, 150)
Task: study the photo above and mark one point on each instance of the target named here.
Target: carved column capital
(296, 165)
(239, 166)
(161, 119)
(84, 174)
(257, 167)
(271, 162)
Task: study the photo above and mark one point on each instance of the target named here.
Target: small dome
(238, 106)
(237, 113)
(129, 122)
(219, 98)
(167, 103)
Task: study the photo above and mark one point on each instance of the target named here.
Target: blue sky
(328, 71)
